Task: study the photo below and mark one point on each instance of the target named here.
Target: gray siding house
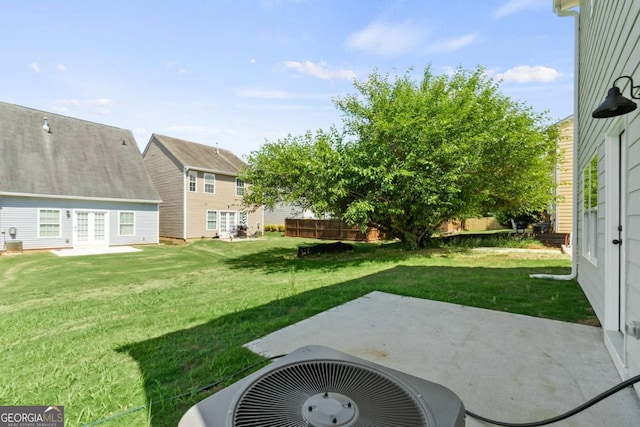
(200, 189)
(70, 183)
(607, 171)
(282, 211)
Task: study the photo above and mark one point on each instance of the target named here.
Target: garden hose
(568, 414)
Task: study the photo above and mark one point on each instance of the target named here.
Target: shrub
(281, 228)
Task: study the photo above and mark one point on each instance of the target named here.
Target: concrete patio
(503, 366)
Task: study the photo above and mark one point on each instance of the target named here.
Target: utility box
(14, 246)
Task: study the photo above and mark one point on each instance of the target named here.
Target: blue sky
(239, 72)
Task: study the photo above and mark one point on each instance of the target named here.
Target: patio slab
(506, 367)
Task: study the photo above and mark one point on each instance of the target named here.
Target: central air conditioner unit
(317, 386)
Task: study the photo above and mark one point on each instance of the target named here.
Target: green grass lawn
(120, 336)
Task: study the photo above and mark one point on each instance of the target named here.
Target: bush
(281, 228)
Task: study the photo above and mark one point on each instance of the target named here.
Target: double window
(49, 223)
(212, 220)
(209, 180)
(126, 224)
(239, 187)
(209, 183)
(193, 181)
(590, 209)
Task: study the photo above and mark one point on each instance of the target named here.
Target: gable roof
(75, 158)
(199, 156)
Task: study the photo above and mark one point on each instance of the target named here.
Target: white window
(243, 218)
(49, 223)
(212, 220)
(193, 176)
(126, 225)
(239, 187)
(209, 183)
(590, 210)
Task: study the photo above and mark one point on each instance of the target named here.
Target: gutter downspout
(185, 180)
(576, 81)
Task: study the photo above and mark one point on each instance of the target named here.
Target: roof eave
(58, 196)
(221, 172)
(560, 6)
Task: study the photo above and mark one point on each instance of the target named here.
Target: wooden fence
(471, 224)
(481, 224)
(329, 229)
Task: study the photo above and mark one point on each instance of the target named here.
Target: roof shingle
(201, 157)
(75, 158)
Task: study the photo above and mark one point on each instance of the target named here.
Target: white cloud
(34, 67)
(265, 93)
(526, 74)
(386, 39)
(175, 66)
(320, 70)
(453, 44)
(61, 67)
(448, 70)
(100, 102)
(514, 6)
(99, 105)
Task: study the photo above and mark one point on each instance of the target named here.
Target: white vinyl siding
(209, 183)
(49, 223)
(23, 213)
(126, 225)
(608, 43)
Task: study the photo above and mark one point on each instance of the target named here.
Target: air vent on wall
(321, 387)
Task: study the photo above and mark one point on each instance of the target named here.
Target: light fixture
(615, 104)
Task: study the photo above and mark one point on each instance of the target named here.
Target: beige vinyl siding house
(168, 177)
(608, 162)
(200, 189)
(563, 210)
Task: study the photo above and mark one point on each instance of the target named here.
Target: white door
(227, 223)
(90, 228)
(616, 245)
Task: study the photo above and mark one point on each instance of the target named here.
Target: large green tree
(412, 154)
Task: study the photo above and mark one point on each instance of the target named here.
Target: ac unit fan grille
(278, 398)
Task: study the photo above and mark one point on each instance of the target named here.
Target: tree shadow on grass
(182, 362)
(277, 260)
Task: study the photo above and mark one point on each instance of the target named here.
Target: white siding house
(67, 183)
(608, 171)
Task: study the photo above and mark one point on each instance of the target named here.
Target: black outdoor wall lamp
(615, 104)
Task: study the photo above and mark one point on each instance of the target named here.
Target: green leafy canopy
(412, 154)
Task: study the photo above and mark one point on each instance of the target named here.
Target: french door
(227, 223)
(90, 228)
